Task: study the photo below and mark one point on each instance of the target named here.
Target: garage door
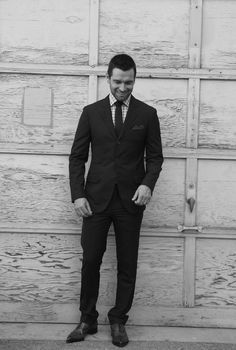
(53, 62)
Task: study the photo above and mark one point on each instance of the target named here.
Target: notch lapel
(130, 117)
(105, 113)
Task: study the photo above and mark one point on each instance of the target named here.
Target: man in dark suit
(119, 184)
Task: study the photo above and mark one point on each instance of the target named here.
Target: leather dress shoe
(119, 335)
(80, 332)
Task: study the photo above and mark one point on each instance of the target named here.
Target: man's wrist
(146, 187)
(78, 199)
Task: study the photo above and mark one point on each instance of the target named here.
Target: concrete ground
(52, 337)
(105, 345)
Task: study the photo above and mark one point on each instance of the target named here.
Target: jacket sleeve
(79, 156)
(154, 156)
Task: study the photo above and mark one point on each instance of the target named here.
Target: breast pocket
(137, 134)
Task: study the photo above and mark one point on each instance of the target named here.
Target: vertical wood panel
(93, 32)
(93, 48)
(193, 113)
(93, 87)
(195, 33)
(191, 191)
(189, 271)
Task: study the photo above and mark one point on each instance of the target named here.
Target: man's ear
(108, 78)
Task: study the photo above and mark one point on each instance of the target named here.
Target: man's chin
(122, 97)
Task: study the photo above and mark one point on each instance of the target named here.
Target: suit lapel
(130, 117)
(105, 113)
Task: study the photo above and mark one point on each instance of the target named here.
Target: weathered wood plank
(216, 272)
(93, 32)
(193, 113)
(93, 88)
(46, 269)
(166, 207)
(169, 97)
(216, 202)
(169, 152)
(141, 21)
(218, 43)
(190, 192)
(35, 190)
(164, 73)
(37, 106)
(191, 162)
(160, 267)
(200, 153)
(189, 271)
(55, 31)
(70, 95)
(217, 127)
(195, 33)
(59, 229)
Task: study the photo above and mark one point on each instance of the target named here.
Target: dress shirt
(124, 107)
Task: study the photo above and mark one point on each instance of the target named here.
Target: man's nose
(122, 87)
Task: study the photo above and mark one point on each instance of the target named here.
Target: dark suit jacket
(115, 160)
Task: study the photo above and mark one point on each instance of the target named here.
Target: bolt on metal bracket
(182, 228)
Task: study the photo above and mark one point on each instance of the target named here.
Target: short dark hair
(123, 62)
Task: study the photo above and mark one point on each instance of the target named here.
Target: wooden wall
(53, 58)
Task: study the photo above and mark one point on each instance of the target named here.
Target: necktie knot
(118, 103)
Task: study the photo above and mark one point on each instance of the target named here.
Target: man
(119, 184)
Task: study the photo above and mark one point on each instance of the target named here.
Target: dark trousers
(93, 241)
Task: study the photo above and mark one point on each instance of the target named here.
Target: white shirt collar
(113, 100)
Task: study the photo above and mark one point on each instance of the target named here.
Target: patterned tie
(118, 118)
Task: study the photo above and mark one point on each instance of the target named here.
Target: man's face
(121, 83)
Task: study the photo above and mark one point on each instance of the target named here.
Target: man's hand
(142, 195)
(82, 207)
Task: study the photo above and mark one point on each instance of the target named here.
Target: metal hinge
(182, 228)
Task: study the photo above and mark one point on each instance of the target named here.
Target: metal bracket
(182, 228)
